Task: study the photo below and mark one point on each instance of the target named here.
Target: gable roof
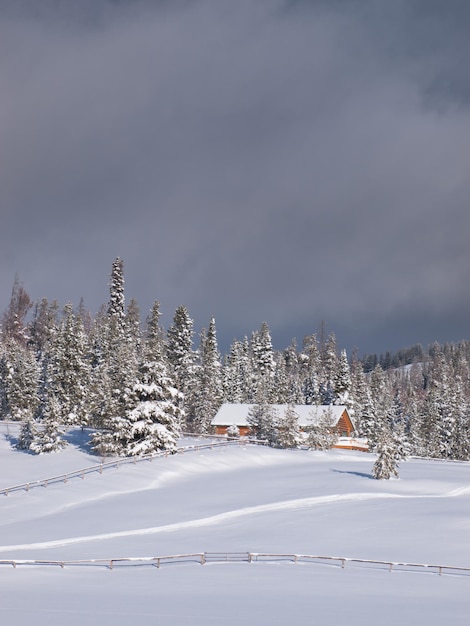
(309, 414)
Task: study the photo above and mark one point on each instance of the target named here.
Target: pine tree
(19, 382)
(310, 370)
(263, 364)
(49, 436)
(288, 432)
(262, 420)
(13, 321)
(208, 394)
(329, 370)
(388, 457)
(180, 354)
(43, 326)
(321, 434)
(116, 306)
(28, 433)
(69, 371)
(115, 354)
(154, 342)
(233, 432)
(342, 381)
(236, 373)
(154, 422)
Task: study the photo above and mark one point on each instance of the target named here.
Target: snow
(229, 414)
(233, 499)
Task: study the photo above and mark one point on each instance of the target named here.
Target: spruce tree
(180, 354)
(69, 371)
(49, 435)
(154, 423)
(262, 420)
(28, 434)
(321, 434)
(386, 464)
(287, 426)
(342, 381)
(310, 370)
(19, 382)
(263, 364)
(207, 397)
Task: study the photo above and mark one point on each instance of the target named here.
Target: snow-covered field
(234, 499)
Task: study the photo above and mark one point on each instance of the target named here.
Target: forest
(139, 386)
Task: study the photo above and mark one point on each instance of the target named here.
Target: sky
(261, 160)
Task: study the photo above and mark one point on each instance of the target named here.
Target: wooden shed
(237, 414)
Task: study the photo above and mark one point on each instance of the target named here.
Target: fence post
(391, 567)
(203, 558)
(111, 564)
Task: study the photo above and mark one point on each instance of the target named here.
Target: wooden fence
(100, 467)
(204, 558)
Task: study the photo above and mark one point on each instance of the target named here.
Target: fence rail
(204, 558)
(100, 467)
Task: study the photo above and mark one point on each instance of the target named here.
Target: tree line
(138, 386)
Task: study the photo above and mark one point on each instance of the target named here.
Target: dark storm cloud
(266, 160)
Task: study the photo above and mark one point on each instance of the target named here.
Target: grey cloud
(286, 161)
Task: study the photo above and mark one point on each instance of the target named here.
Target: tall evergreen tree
(19, 382)
(342, 381)
(263, 364)
(68, 370)
(209, 393)
(13, 321)
(311, 370)
(180, 353)
(329, 370)
(262, 420)
(288, 432)
(388, 457)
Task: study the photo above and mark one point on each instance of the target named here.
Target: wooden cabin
(237, 414)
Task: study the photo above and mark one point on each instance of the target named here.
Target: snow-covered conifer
(321, 433)
(262, 420)
(27, 435)
(69, 370)
(180, 353)
(263, 364)
(342, 381)
(389, 456)
(49, 435)
(207, 396)
(287, 426)
(329, 360)
(19, 382)
(233, 432)
(154, 422)
(310, 370)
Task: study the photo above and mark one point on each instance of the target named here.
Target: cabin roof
(309, 414)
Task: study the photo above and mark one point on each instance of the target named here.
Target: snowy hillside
(235, 499)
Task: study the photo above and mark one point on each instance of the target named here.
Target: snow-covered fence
(203, 558)
(100, 467)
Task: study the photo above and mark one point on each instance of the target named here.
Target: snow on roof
(229, 414)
